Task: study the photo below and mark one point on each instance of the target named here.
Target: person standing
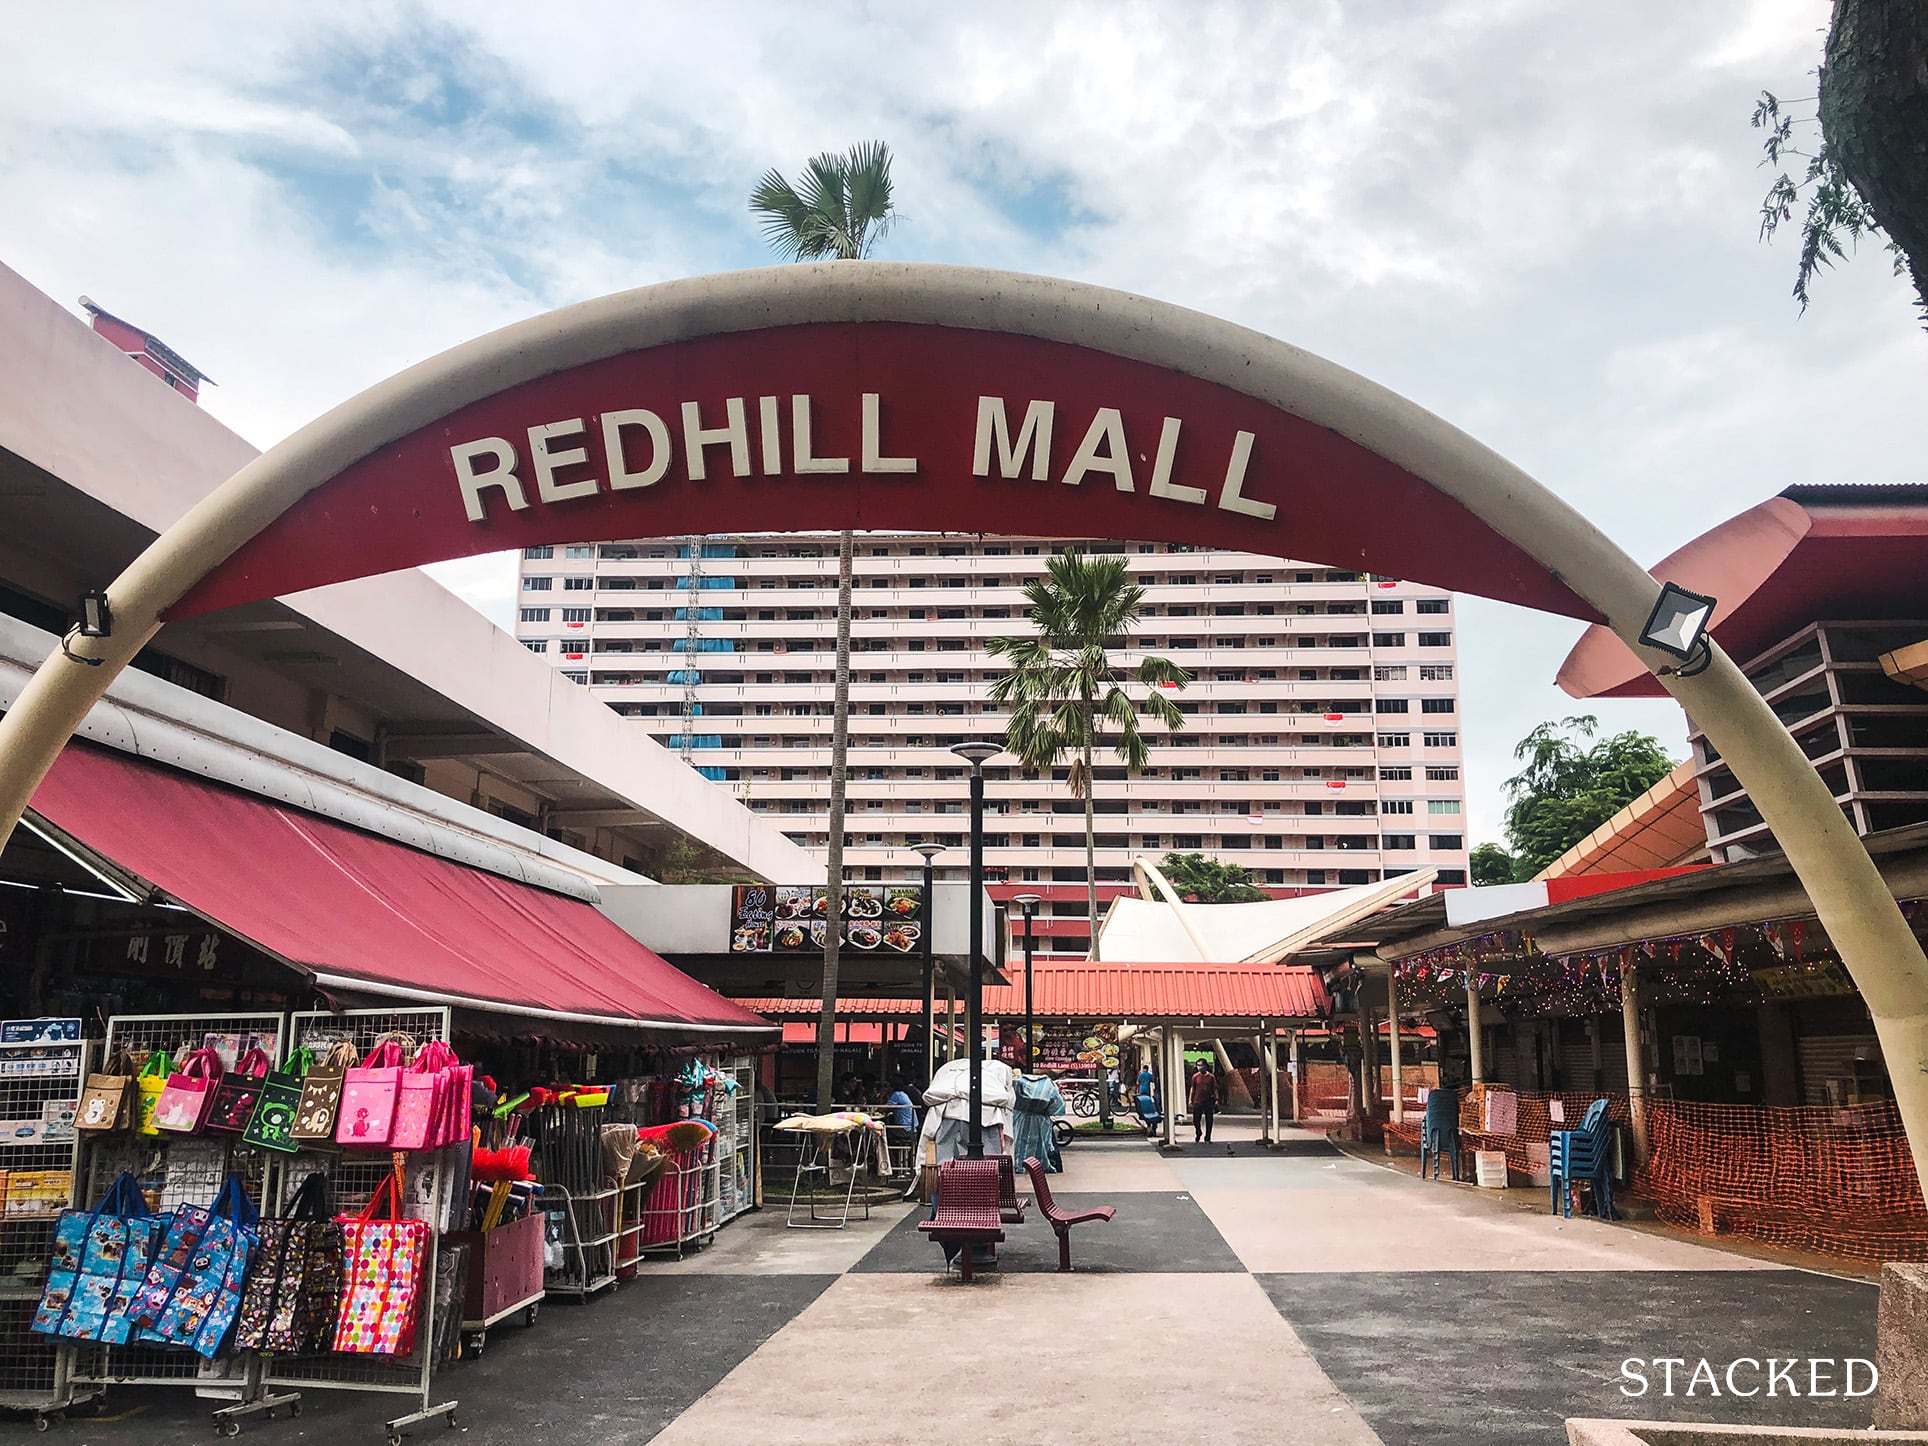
(1203, 1099)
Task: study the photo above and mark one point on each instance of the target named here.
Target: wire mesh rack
(429, 1188)
(40, 1088)
(172, 1171)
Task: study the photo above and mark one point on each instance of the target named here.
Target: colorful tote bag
(272, 1126)
(421, 1107)
(189, 1093)
(321, 1095)
(100, 1257)
(369, 1094)
(238, 1092)
(148, 1085)
(384, 1260)
(293, 1292)
(193, 1289)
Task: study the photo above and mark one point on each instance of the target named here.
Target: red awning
(1119, 991)
(363, 911)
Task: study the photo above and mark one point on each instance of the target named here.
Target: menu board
(795, 918)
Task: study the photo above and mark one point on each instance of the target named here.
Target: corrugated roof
(1660, 829)
(1141, 992)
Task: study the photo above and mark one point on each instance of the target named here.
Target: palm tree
(839, 208)
(1068, 694)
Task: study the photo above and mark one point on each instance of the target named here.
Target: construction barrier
(1834, 1180)
(1324, 1087)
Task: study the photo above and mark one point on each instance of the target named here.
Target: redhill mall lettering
(635, 448)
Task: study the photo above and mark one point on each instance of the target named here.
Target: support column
(1169, 1111)
(1368, 1059)
(1475, 1045)
(1292, 1050)
(1392, 1021)
(950, 1021)
(1636, 1058)
(1272, 1094)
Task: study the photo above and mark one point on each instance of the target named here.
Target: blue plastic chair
(1583, 1154)
(1439, 1133)
(1149, 1112)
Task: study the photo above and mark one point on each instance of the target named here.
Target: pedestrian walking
(1203, 1099)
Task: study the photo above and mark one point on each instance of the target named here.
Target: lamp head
(1027, 902)
(977, 752)
(928, 850)
(1678, 620)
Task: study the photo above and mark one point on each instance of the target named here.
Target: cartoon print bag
(421, 1107)
(189, 1093)
(148, 1085)
(293, 1291)
(370, 1093)
(384, 1260)
(321, 1095)
(237, 1093)
(108, 1102)
(272, 1125)
(100, 1257)
(207, 1267)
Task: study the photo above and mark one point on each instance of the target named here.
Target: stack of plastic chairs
(1584, 1154)
(1440, 1132)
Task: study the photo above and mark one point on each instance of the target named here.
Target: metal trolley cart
(40, 1082)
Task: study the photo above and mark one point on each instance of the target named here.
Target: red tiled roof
(1119, 991)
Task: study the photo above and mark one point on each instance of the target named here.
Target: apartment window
(1435, 705)
(1442, 740)
(1399, 841)
(1431, 605)
(1314, 876)
(1389, 705)
(1387, 607)
(575, 615)
(536, 645)
(1435, 672)
(539, 554)
(1446, 840)
(579, 551)
(575, 676)
(1435, 640)
(534, 615)
(1389, 673)
(1442, 805)
(1395, 740)
(1188, 842)
(1387, 640)
(1268, 775)
(1400, 773)
(537, 584)
(1439, 773)
(1395, 805)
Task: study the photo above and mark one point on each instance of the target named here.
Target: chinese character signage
(795, 918)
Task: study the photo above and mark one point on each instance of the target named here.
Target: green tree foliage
(1492, 864)
(1206, 880)
(1569, 787)
(1834, 218)
(835, 211)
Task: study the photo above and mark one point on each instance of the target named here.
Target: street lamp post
(930, 851)
(975, 754)
(1028, 903)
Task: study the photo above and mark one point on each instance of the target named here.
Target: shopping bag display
(293, 1292)
(272, 1126)
(109, 1100)
(370, 1093)
(383, 1262)
(193, 1288)
(148, 1085)
(421, 1106)
(321, 1095)
(99, 1260)
(188, 1094)
(238, 1092)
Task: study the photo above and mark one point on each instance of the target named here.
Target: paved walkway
(1238, 1297)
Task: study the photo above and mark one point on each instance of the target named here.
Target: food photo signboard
(795, 918)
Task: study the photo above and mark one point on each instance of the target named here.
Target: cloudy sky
(1536, 219)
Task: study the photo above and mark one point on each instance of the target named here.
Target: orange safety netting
(1324, 1086)
(1833, 1180)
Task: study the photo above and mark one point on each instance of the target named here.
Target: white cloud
(1536, 219)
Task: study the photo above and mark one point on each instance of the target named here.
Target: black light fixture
(1678, 624)
(930, 851)
(1029, 904)
(96, 618)
(976, 753)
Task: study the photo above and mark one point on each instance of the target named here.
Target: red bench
(1061, 1220)
(969, 1211)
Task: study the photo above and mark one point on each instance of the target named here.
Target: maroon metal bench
(1010, 1208)
(1061, 1220)
(968, 1209)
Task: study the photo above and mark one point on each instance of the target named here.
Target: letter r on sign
(465, 456)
